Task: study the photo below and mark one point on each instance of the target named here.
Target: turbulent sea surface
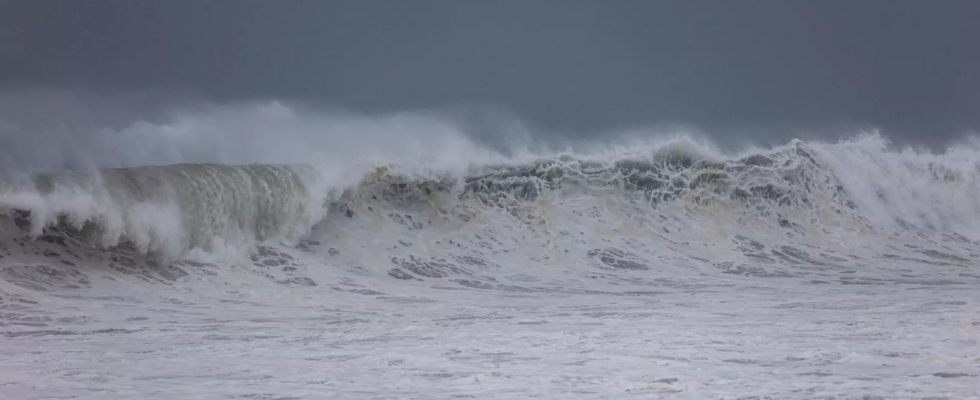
(807, 271)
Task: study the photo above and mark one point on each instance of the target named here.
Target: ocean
(802, 271)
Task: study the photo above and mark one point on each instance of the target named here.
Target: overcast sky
(769, 68)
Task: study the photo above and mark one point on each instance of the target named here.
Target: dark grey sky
(769, 67)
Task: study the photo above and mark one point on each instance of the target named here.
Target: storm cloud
(765, 70)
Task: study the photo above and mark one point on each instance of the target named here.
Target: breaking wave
(171, 210)
(190, 210)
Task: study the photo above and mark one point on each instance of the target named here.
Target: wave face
(172, 210)
(664, 269)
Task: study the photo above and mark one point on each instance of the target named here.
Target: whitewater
(664, 270)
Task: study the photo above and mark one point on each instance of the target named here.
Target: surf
(176, 210)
